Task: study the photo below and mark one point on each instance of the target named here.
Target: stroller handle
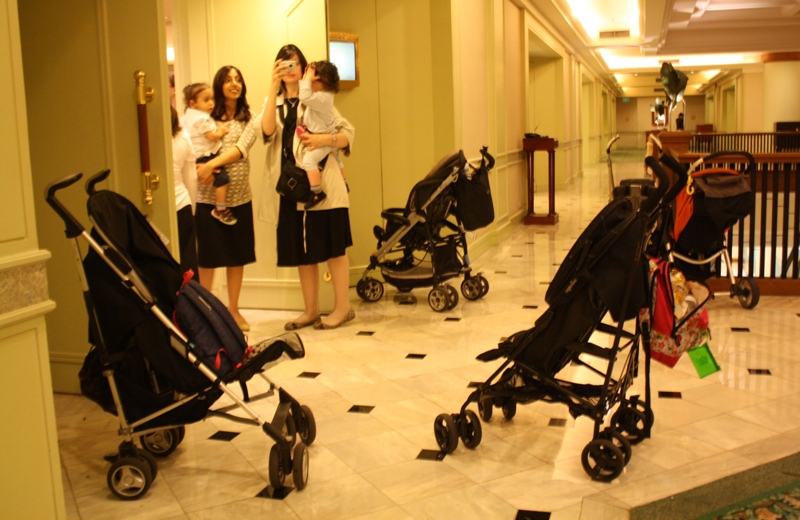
(663, 182)
(680, 171)
(751, 161)
(73, 227)
(612, 141)
(94, 179)
(486, 155)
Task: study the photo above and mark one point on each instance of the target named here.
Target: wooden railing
(761, 143)
(766, 243)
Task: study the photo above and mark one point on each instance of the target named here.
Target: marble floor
(365, 466)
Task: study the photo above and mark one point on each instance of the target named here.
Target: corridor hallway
(364, 465)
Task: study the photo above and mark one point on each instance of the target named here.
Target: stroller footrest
(267, 354)
(591, 349)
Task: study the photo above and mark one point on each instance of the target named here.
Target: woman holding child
(319, 230)
(218, 244)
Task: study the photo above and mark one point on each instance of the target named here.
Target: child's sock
(221, 206)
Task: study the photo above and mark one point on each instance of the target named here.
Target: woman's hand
(278, 71)
(205, 173)
(313, 141)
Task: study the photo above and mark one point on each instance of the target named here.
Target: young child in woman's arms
(317, 88)
(205, 137)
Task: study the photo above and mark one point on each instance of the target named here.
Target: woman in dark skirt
(220, 244)
(307, 238)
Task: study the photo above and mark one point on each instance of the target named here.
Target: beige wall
(29, 462)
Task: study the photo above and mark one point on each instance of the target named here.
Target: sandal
(296, 324)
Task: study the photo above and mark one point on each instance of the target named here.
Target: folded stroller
(421, 247)
(144, 369)
(714, 200)
(604, 273)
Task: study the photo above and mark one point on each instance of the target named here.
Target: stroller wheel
(748, 292)
(485, 409)
(277, 471)
(509, 409)
(452, 296)
(444, 428)
(369, 289)
(438, 299)
(470, 429)
(631, 422)
(289, 430)
(618, 440)
(602, 460)
(300, 466)
(484, 285)
(150, 460)
(129, 478)
(181, 432)
(471, 288)
(306, 425)
(162, 442)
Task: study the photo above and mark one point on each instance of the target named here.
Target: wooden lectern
(529, 146)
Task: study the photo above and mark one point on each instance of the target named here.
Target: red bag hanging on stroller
(676, 319)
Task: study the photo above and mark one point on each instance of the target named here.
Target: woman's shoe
(347, 317)
(297, 324)
(244, 326)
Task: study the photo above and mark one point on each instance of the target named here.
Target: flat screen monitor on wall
(343, 51)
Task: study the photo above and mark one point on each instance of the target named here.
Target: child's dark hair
(328, 75)
(191, 91)
(176, 125)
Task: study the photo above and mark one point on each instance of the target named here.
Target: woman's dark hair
(287, 52)
(242, 108)
(328, 75)
(191, 91)
(176, 125)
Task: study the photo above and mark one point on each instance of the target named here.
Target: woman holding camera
(322, 233)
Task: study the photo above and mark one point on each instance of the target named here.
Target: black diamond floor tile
(431, 455)
(358, 408)
(416, 356)
(740, 329)
(669, 395)
(532, 515)
(759, 371)
(224, 436)
(451, 318)
(365, 333)
(558, 422)
(274, 494)
(309, 375)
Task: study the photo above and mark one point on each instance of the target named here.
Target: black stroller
(714, 200)
(605, 272)
(414, 252)
(142, 367)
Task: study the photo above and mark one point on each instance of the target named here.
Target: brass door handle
(145, 95)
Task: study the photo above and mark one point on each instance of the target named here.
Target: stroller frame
(132, 469)
(746, 289)
(606, 454)
(442, 296)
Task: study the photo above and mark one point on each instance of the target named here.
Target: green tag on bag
(703, 361)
